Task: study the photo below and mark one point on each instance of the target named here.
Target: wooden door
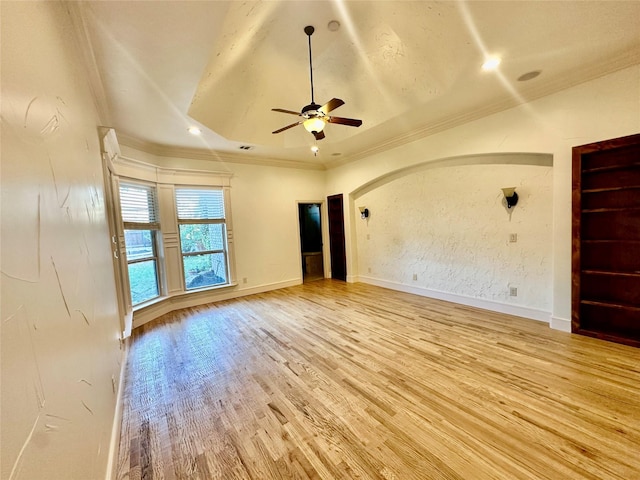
(606, 240)
(336, 237)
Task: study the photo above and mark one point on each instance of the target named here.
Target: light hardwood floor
(330, 380)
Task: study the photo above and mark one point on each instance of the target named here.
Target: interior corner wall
(59, 321)
(264, 207)
(608, 107)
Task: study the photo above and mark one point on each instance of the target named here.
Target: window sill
(204, 289)
(168, 298)
(149, 303)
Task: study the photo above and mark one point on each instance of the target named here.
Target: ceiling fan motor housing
(313, 108)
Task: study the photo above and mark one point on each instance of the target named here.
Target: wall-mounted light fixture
(364, 212)
(510, 196)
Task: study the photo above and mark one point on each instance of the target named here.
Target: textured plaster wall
(601, 109)
(264, 205)
(448, 226)
(60, 348)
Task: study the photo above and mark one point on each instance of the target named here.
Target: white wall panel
(60, 326)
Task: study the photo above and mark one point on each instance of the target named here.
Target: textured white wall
(448, 226)
(608, 107)
(60, 347)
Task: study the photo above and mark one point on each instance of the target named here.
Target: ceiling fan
(314, 116)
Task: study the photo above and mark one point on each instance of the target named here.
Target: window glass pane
(204, 270)
(137, 203)
(201, 237)
(139, 244)
(199, 204)
(143, 281)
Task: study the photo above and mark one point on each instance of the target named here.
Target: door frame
(322, 236)
(324, 227)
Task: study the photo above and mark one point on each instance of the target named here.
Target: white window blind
(138, 205)
(200, 204)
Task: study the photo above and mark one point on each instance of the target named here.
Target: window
(203, 236)
(139, 217)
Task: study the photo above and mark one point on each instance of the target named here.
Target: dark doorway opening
(311, 241)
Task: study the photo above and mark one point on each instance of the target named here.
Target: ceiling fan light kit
(315, 116)
(313, 124)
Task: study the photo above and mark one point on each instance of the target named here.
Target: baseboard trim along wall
(516, 310)
(563, 324)
(192, 299)
(114, 443)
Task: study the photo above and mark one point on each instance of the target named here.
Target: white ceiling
(406, 68)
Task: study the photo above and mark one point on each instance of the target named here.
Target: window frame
(153, 227)
(208, 221)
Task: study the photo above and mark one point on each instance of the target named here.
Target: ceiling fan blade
(287, 127)
(318, 135)
(282, 110)
(351, 122)
(331, 105)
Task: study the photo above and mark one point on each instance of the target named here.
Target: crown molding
(528, 94)
(84, 41)
(124, 160)
(212, 155)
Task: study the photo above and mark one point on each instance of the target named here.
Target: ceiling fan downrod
(309, 31)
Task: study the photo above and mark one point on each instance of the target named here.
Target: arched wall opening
(442, 229)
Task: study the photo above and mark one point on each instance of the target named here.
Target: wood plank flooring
(329, 380)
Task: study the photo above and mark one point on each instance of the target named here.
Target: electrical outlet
(415, 276)
(513, 291)
(368, 236)
(244, 280)
(513, 237)
(369, 269)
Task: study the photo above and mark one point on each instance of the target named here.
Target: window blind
(200, 204)
(138, 204)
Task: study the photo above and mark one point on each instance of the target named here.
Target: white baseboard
(114, 443)
(563, 324)
(192, 299)
(516, 310)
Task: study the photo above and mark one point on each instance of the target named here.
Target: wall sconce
(364, 212)
(510, 196)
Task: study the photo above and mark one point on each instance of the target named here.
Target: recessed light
(194, 130)
(491, 63)
(333, 25)
(529, 75)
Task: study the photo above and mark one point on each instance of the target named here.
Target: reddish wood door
(606, 240)
(336, 237)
